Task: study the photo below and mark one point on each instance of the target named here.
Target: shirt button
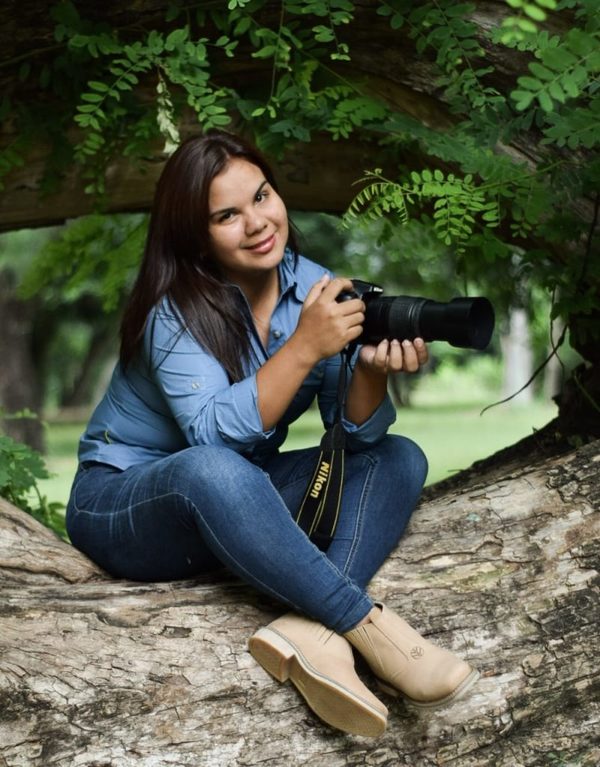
(277, 334)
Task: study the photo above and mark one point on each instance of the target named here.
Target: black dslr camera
(463, 322)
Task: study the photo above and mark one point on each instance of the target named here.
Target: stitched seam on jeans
(360, 515)
(125, 508)
(254, 579)
(297, 476)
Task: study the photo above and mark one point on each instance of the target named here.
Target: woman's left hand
(393, 356)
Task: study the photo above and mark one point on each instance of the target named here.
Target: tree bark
(19, 385)
(503, 569)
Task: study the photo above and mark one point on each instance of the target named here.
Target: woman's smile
(264, 246)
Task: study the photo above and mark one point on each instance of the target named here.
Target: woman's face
(248, 224)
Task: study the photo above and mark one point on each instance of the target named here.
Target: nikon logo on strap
(319, 510)
(322, 475)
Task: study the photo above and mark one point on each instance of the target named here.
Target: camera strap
(320, 507)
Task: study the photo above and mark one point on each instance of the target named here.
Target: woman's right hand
(326, 326)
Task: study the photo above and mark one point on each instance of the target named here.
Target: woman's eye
(260, 196)
(226, 216)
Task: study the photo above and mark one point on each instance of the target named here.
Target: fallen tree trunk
(503, 569)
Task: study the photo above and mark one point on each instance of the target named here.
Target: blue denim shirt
(153, 409)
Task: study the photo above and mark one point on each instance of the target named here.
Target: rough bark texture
(503, 570)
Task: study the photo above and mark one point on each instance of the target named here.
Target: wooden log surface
(503, 569)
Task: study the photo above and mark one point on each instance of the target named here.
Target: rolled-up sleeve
(207, 407)
(358, 436)
(373, 429)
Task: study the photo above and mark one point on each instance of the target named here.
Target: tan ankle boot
(320, 664)
(407, 664)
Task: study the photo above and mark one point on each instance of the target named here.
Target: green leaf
(530, 83)
(92, 97)
(570, 86)
(98, 86)
(557, 92)
(580, 42)
(78, 41)
(523, 99)
(558, 59)
(526, 25)
(397, 21)
(534, 12)
(545, 101)
(156, 42)
(242, 26)
(323, 34)
(220, 120)
(175, 38)
(490, 215)
(265, 53)
(540, 71)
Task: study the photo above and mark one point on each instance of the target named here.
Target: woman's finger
(316, 290)
(422, 351)
(396, 358)
(381, 354)
(409, 353)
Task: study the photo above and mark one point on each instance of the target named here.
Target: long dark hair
(177, 261)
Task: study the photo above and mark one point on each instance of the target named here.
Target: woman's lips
(264, 246)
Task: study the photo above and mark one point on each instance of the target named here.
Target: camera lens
(463, 322)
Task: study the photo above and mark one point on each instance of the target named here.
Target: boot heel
(273, 653)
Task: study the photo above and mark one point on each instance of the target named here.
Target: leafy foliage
(20, 469)
(462, 181)
(456, 203)
(95, 255)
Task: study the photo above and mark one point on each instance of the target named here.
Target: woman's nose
(255, 222)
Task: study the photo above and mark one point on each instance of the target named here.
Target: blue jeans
(207, 507)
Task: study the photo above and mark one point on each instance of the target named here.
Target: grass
(61, 459)
(445, 421)
(451, 437)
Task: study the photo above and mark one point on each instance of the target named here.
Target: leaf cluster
(96, 255)
(20, 469)
(457, 204)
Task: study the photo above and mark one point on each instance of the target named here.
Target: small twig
(535, 374)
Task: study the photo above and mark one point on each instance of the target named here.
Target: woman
(228, 337)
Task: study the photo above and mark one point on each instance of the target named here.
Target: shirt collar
(287, 276)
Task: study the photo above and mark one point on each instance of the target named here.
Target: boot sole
(334, 704)
(457, 693)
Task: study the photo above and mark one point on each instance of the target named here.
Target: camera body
(463, 322)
